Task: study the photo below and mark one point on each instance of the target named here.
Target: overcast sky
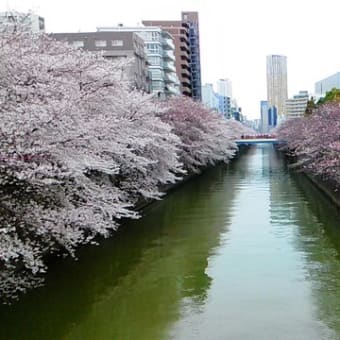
(235, 35)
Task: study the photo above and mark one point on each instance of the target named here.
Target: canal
(245, 251)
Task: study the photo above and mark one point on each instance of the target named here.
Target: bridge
(258, 139)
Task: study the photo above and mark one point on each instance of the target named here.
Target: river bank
(248, 243)
(327, 187)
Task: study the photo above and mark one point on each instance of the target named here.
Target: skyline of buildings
(171, 47)
(156, 74)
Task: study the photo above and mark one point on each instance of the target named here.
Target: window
(154, 60)
(153, 48)
(155, 36)
(100, 43)
(157, 74)
(117, 43)
(78, 43)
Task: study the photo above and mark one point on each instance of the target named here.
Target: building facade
(269, 117)
(224, 91)
(277, 92)
(115, 45)
(33, 22)
(187, 51)
(159, 48)
(327, 84)
(296, 106)
(264, 116)
(191, 18)
(209, 97)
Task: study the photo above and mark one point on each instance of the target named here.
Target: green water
(249, 251)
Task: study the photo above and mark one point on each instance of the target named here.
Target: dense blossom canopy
(79, 148)
(315, 141)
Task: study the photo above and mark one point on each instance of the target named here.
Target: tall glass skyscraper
(277, 93)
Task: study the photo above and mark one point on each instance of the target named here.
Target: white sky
(235, 35)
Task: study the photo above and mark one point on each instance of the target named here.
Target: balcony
(169, 55)
(185, 63)
(168, 44)
(171, 78)
(186, 83)
(172, 90)
(184, 47)
(169, 67)
(185, 73)
(186, 91)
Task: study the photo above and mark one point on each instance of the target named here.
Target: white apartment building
(209, 97)
(224, 88)
(159, 48)
(33, 22)
(296, 106)
(277, 92)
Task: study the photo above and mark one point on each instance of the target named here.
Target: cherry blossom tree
(80, 148)
(206, 137)
(315, 141)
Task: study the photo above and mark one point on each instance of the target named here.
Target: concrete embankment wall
(327, 188)
(331, 190)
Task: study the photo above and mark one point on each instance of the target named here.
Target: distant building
(224, 88)
(264, 116)
(187, 51)
(159, 48)
(327, 84)
(33, 22)
(236, 111)
(297, 105)
(269, 117)
(277, 93)
(209, 97)
(272, 117)
(224, 92)
(115, 45)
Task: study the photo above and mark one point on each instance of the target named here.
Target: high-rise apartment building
(277, 92)
(187, 51)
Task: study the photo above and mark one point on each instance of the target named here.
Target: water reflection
(249, 251)
(133, 286)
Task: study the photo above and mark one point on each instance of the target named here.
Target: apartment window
(155, 61)
(154, 36)
(100, 43)
(157, 85)
(157, 74)
(78, 43)
(153, 48)
(117, 43)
